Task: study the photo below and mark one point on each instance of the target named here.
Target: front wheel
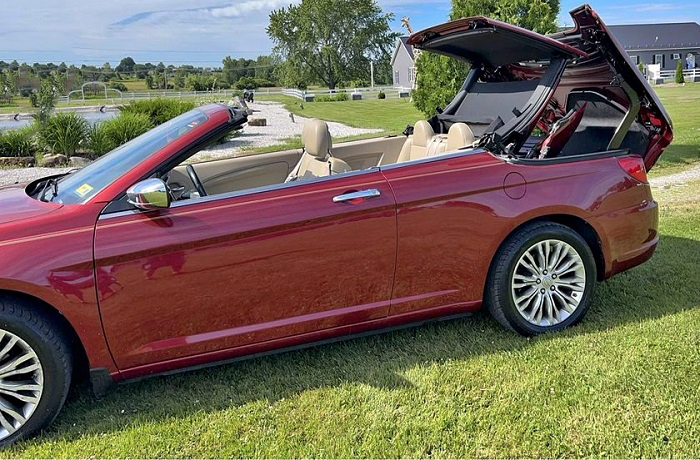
(35, 370)
(542, 279)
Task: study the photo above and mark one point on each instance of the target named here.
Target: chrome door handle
(369, 193)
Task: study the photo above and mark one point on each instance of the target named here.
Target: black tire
(498, 296)
(40, 332)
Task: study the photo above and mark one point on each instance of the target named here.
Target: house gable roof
(663, 36)
(401, 43)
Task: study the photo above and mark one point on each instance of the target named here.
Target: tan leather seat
(459, 135)
(316, 159)
(416, 146)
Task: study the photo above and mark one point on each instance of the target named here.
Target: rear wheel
(35, 370)
(542, 279)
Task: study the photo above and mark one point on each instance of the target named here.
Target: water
(92, 118)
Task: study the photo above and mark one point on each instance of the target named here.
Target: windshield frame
(126, 158)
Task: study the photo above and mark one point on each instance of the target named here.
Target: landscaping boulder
(257, 122)
(78, 162)
(17, 161)
(52, 161)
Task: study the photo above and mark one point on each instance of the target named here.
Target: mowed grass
(391, 115)
(624, 383)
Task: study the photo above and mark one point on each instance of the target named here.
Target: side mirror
(149, 194)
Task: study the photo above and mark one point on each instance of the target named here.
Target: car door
(229, 271)
(447, 223)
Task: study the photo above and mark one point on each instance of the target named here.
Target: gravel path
(680, 178)
(279, 128)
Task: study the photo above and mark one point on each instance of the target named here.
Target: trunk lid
(591, 34)
(490, 42)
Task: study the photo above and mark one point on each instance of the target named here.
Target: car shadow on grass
(664, 286)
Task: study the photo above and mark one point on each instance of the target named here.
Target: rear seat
(424, 143)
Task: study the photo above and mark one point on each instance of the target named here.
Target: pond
(6, 122)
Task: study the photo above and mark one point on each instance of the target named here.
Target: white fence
(225, 95)
(669, 76)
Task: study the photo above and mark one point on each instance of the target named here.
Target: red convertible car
(521, 194)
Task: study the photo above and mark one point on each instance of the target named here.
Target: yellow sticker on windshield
(84, 189)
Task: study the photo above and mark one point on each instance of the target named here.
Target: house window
(635, 59)
(411, 74)
(659, 59)
(676, 56)
(396, 77)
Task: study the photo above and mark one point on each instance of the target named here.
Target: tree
(126, 65)
(332, 40)
(439, 78)
(679, 72)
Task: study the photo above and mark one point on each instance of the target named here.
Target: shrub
(17, 143)
(246, 83)
(158, 110)
(118, 86)
(336, 98)
(381, 95)
(679, 72)
(125, 127)
(264, 83)
(98, 140)
(64, 133)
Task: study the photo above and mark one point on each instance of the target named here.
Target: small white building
(403, 65)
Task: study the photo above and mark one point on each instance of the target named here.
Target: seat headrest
(316, 138)
(458, 136)
(422, 133)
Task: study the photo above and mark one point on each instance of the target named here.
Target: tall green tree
(439, 77)
(332, 40)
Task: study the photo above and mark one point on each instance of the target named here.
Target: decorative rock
(52, 161)
(257, 122)
(17, 161)
(78, 162)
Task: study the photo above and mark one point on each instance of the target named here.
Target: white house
(402, 64)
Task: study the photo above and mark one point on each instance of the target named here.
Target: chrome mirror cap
(149, 194)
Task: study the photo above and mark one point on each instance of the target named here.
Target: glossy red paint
(246, 269)
(229, 276)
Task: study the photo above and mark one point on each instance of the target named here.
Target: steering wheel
(195, 180)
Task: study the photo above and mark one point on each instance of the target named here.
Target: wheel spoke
(21, 382)
(548, 282)
(8, 346)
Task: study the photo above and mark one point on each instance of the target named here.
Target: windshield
(79, 187)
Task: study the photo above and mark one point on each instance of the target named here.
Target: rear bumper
(631, 236)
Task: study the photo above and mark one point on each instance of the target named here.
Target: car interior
(318, 158)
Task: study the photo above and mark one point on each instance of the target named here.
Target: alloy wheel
(21, 382)
(548, 282)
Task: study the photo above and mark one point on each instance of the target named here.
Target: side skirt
(103, 382)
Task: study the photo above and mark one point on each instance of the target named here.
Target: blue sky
(202, 32)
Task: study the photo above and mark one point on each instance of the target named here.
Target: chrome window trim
(239, 193)
(463, 151)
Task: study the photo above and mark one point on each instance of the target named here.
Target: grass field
(624, 383)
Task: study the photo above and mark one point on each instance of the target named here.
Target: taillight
(634, 167)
